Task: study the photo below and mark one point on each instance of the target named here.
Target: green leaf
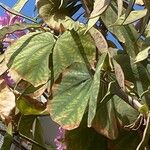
(128, 35)
(133, 16)
(38, 135)
(53, 16)
(77, 88)
(70, 101)
(8, 138)
(25, 125)
(67, 50)
(20, 4)
(95, 87)
(29, 106)
(16, 27)
(29, 57)
(125, 113)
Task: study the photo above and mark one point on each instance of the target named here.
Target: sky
(28, 10)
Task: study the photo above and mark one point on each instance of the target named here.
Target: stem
(86, 8)
(16, 13)
(31, 141)
(132, 101)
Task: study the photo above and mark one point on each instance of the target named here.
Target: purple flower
(59, 140)
(8, 20)
(8, 80)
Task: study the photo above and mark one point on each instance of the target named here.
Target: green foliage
(72, 72)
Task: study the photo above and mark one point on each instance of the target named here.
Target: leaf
(125, 113)
(127, 140)
(99, 39)
(133, 16)
(8, 138)
(65, 54)
(53, 16)
(139, 2)
(95, 87)
(119, 74)
(70, 101)
(16, 27)
(29, 57)
(99, 7)
(38, 136)
(19, 5)
(84, 138)
(120, 7)
(29, 106)
(125, 34)
(7, 100)
(107, 125)
(142, 55)
(25, 125)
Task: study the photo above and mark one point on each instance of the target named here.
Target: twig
(16, 13)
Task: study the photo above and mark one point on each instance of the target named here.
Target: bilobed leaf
(71, 99)
(133, 16)
(67, 50)
(53, 16)
(29, 57)
(7, 100)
